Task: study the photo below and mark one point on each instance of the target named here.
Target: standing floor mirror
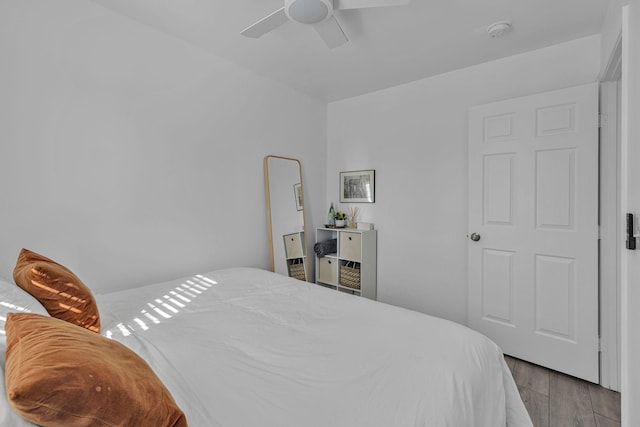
(285, 216)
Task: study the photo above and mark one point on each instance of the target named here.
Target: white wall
(415, 137)
(130, 156)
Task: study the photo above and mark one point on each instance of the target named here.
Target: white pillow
(14, 299)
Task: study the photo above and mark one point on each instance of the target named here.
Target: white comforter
(246, 347)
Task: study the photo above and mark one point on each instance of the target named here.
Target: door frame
(611, 224)
(610, 241)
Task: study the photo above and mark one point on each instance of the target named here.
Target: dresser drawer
(293, 245)
(328, 270)
(350, 244)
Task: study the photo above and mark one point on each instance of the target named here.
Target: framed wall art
(358, 186)
(297, 193)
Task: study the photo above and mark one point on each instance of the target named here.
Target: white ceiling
(387, 46)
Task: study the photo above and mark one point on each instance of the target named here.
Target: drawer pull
(329, 262)
(349, 237)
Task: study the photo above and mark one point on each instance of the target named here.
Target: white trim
(613, 71)
(611, 224)
(610, 229)
(626, 405)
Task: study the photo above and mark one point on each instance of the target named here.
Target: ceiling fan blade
(363, 4)
(331, 32)
(266, 24)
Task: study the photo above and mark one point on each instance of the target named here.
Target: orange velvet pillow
(60, 291)
(59, 375)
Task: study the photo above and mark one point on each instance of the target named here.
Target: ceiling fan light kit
(308, 11)
(316, 13)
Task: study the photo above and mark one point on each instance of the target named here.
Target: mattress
(243, 347)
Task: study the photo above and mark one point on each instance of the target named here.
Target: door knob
(475, 237)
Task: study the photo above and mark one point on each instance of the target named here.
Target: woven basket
(350, 275)
(296, 269)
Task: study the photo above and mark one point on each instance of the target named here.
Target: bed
(246, 347)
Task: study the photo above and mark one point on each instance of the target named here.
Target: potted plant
(340, 217)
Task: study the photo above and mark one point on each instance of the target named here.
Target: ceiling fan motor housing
(308, 11)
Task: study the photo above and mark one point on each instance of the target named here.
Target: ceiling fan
(317, 13)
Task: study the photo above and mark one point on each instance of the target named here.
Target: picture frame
(358, 186)
(297, 194)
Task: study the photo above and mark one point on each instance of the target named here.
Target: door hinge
(603, 120)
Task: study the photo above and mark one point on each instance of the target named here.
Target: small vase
(339, 222)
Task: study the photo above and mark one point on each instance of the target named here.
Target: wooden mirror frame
(269, 212)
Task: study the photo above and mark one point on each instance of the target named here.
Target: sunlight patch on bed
(162, 309)
(159, 311)
(12, 307)
(141, 323)
(174, 301)
(150, 316)
(177, 295)
(124, 330)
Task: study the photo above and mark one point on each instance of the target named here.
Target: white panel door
(533, 227)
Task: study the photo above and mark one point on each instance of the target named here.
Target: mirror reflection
(285, 212)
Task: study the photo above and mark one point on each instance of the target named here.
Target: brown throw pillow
(60, 291)
(59, 375)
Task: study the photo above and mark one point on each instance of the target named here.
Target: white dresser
(352, 268)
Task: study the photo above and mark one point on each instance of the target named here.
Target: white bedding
(246, 347)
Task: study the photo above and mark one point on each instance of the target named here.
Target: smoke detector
(498, 29)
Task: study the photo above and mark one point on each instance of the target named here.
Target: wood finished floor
(554, 399)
